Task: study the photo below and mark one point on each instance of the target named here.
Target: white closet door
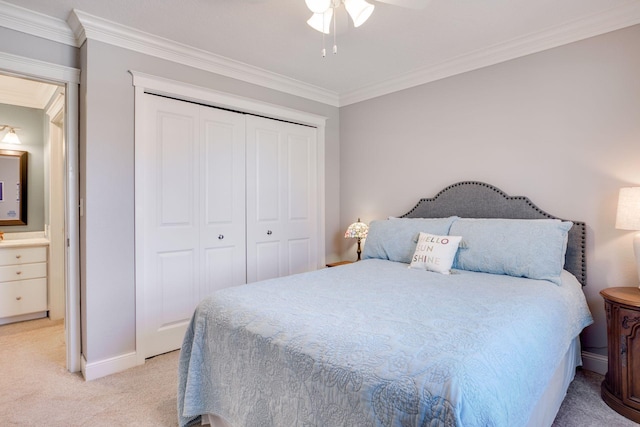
(170, 217)
(282, 224)
(190, 205)
(222, 231)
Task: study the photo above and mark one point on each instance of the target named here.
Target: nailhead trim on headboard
(469, 199)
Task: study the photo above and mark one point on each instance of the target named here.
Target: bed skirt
(548, 405)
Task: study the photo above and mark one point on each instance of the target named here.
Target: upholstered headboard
(471, 199)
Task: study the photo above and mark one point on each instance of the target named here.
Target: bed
(466, 311)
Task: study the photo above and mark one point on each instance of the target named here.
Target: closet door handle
(220, 236)
(269, 232)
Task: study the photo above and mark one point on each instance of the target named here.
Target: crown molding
(613, 19)
(81, 26)
(37, 24)
(86, 26)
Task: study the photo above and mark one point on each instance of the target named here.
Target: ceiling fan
(358, 10)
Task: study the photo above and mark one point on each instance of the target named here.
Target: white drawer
(27, 296)
(22, 272)
(10, 256)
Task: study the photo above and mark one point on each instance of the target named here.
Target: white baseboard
(102, 368)
(594, 362)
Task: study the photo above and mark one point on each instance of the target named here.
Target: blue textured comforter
(377, 344)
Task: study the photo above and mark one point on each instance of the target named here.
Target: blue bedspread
(377, 344)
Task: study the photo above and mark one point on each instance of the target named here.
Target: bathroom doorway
(41, 110)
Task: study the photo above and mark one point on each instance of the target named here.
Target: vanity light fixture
(11, 137)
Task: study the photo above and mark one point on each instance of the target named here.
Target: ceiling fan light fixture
(359, 11)
(321, 21)
(318, 6)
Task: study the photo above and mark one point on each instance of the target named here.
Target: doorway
(50, 92)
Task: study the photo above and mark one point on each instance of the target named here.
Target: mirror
(13, 187)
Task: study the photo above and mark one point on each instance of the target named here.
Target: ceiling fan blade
(411, 4)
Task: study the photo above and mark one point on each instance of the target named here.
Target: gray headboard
(471, 199)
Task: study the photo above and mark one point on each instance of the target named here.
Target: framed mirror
(13, 187)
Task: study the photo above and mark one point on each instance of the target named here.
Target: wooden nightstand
(335, 264)
(621, 386)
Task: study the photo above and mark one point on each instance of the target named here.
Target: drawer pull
(18, 272)
(18, 298)
(18, 256)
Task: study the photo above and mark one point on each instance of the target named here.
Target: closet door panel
(220, 268)
(173, 299)
(223, 233)
(269, 255)
(176, 178)
(175, 270)
(267, 177)
(265, 160)
(281, 197)
(168, 213)
(300, 259)
(298, 179)
(301, 199)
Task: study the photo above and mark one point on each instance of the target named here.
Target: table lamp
(628, 217)
(357, 230)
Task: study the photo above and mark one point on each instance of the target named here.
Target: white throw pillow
(435, 253)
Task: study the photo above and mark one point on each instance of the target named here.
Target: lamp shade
(11, 137)
(357, 230)
(321, 21)
(628, 215)
(359, 11)
(318, 6)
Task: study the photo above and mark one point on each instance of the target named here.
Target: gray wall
(107, 162)
(31, 133)
(17, 43)
(561, 127)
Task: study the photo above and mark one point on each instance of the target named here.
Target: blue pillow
(533, 248)
(395, 239)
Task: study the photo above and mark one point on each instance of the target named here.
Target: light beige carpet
(36, 389)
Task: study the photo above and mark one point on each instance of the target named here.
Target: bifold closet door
(222, 196)
(282, 197)
(191, 210)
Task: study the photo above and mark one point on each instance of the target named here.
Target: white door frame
(56, 215)
(20, 66)
(146, 83)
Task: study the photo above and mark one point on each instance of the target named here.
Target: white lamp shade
(628, 215)
(11, 138)
(359, 11)
(321, 21)
(318, 6)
